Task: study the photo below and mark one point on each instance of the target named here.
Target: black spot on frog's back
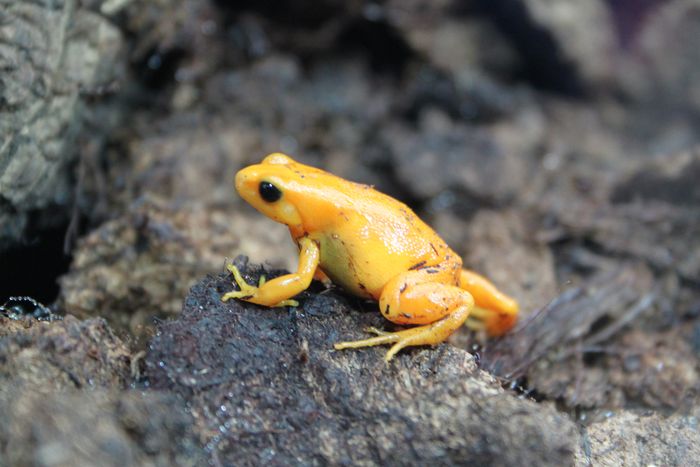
(418, 265)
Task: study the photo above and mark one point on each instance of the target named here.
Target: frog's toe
(400, 340)
(397, 347)
(494, 322)
(235, 294)
(246, 290)
(382, 338)
(376, 331)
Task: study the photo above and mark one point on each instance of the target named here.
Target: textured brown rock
(45, 357)
(138, 267)
(572, 25)
(652, 216)
(502, 246)
(455, 156)
(549, 346)
(90, 428)
(628, 438)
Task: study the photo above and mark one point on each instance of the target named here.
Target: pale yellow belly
(354, 268)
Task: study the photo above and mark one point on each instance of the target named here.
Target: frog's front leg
(417, 297)
(279, 291)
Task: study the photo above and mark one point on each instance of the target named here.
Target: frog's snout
(239, 180)
(246, 186)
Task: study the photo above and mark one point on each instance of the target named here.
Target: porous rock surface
(628, 438)
(65, 400)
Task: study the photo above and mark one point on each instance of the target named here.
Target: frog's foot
(429, 334)
(420, 335)
(475, 322)
(247, 291)
(377, 331)
(494, 322)
(496, 312)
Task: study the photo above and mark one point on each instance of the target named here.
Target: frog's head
(272, 186)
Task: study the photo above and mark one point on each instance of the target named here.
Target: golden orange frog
(373, 246)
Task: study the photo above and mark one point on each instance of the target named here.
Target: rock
(87, 428)
(44, 357)
(665, 235)
(551, 346)
(265, 385)
(628, 438)
(138, 267)
(455, 156)
(656, 369)
(502, 246)
(670, 179)
(321, 116)
(52, 57)
(584, 33)
(63, 402)
(661, 69)
(463, 45)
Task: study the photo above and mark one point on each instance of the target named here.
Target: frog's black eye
(269, 192)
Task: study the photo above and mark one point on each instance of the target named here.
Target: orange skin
(373, 246)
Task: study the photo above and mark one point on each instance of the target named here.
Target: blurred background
(553, 143)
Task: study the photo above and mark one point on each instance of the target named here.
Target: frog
(373, 246)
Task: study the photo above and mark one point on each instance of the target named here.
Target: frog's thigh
(408, 299)
(411, 298)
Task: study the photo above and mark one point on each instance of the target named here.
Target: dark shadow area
(33, 269)
(544, 65)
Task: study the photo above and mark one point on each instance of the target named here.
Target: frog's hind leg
(495, 311)
(440, 310)
(429, 334)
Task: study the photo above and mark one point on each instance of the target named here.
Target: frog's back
(372, 238)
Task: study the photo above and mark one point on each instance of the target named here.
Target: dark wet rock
(96, 428)
(44, 357)
(265, 385)
(53, 57)
(628, 438)
(26, 307)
